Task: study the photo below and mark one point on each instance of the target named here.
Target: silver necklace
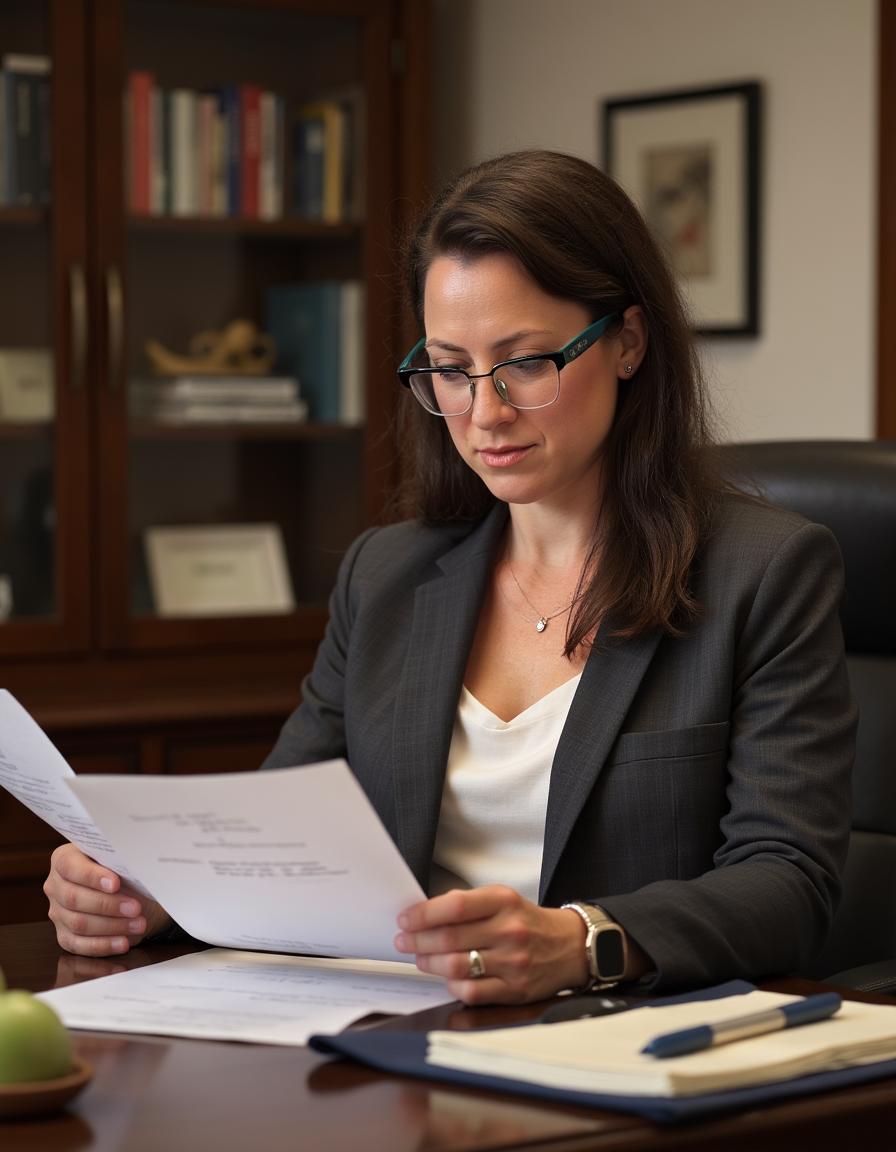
(543, 618)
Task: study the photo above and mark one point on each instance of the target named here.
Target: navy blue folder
(404, 1053)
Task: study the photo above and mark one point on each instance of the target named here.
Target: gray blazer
(700, 791)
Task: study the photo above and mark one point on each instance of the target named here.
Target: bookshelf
(92, 277)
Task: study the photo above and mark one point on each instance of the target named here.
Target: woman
(598, 700)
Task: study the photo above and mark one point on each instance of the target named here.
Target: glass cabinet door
(44, 384)
(246, 381)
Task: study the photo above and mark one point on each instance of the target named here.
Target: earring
(628, 369)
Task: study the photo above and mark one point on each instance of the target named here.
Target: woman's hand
(528, 952)
(93, 913)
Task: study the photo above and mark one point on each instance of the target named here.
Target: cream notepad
(603, 1054)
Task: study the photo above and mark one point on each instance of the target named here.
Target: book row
(25, 168)
(238, 151)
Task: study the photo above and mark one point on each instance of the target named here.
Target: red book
(250, 160)
(140, 86)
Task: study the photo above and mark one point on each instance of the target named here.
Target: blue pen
(805, 1011)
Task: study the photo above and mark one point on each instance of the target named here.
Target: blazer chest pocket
(672, 744)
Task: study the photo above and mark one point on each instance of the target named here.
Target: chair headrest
(850, 486)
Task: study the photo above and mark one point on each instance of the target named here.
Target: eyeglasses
(526, 382)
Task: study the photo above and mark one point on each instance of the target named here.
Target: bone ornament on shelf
(240, 348)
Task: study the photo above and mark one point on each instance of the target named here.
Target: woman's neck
(549, 539)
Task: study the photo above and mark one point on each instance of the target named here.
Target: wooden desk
(150, 1095)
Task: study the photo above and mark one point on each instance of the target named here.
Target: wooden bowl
(32, 1098)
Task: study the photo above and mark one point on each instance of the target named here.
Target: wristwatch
(605, 946)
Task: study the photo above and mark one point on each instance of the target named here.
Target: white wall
(520, 73)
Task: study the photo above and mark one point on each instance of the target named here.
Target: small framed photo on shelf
(690, 161)
(210, 570)
(26, 385)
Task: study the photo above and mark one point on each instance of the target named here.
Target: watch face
(609, 953)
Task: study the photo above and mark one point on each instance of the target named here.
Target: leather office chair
(850, 486)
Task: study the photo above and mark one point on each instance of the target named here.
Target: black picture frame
(690, 160)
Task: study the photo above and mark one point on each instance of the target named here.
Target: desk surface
(151, 1094)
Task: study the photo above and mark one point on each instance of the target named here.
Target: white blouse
(494, 803)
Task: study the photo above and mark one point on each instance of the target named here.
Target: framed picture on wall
(690, 161)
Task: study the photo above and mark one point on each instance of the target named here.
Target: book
(308, 167)
(218, 399)
(328, 140)
(305, 320)
(198, 412)
(351, 99)
(250, 152)
(352, 389)
(604, 1054)
(183, 152)
(206, 114)
(239, 388)
(220, 159)
(26, 108)
(140, 89)
(229, 110)
(158, 163)
(270, 182)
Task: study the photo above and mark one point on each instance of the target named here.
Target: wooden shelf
(17, 215)
(25, 429)
(146, 430)
(285, 227)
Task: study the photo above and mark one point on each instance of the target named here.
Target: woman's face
(480, 311)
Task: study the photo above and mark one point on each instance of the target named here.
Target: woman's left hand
(528, 952)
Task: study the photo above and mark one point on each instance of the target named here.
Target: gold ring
(477, 964)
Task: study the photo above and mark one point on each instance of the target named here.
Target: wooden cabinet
(86, 281)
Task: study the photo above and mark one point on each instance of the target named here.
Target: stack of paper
(603, 1054)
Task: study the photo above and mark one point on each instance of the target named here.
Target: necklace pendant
(541, 625)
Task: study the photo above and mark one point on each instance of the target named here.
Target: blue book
(304, 318)
(308, 168)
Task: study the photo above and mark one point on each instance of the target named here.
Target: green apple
(34, 1043)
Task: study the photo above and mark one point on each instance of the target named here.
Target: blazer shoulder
(410, 547)
(749, 538)
(740, 519)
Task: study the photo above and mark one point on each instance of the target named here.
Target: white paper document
(228, 995)
(35, 772)
(294, 860)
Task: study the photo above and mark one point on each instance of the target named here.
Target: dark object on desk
(850, 486)
(579, 1007)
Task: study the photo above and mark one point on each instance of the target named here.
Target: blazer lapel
(609, 682)
(446, 610)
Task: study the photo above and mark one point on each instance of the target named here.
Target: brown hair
(579, 237)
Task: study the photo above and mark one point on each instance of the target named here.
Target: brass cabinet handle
(115, 327)
(77, 296)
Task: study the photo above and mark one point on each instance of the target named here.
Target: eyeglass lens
(532, 383)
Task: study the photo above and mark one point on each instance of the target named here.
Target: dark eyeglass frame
(569, 352)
